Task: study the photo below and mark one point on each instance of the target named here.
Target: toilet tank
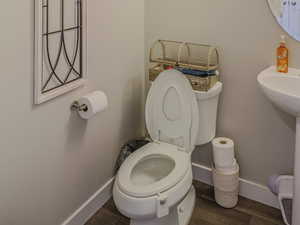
(208, 109)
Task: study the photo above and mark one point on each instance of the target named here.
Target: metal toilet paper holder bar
(79, 108)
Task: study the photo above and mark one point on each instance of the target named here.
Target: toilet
(154, 184)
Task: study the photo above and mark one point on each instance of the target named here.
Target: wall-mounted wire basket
(199, 62)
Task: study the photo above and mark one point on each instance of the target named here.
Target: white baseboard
(248, 189)
(201, 173)
(91, 206)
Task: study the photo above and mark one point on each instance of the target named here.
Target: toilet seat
(133, 177)
(172, 120)
(172, 113)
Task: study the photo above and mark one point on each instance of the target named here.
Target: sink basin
(282, 89)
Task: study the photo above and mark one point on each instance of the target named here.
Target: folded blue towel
(200, 73)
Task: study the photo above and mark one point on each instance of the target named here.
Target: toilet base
(180, 214)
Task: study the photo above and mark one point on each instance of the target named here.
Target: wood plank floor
(206, 212)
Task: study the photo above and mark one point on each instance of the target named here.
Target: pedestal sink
(283, 90)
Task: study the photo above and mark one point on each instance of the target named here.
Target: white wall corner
(248, 189)
(92, 205)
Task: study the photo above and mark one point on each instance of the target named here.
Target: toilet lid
(172, 114)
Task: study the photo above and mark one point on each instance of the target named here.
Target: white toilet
(154, 184)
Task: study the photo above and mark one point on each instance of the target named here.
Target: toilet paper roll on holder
(79, 108)
(91, 104)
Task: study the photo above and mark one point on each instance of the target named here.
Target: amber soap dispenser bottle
(282, 57)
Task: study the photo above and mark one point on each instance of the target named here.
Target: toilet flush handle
(162, 206)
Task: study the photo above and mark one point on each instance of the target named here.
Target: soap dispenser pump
(282, 56)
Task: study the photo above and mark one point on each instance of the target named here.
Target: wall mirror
(287, 14)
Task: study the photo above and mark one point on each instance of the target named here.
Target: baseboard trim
(248, 189)
(92, 205)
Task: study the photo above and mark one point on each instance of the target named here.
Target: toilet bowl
(154, 184)
(149, 177)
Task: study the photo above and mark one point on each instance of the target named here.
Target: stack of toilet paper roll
(225, 173)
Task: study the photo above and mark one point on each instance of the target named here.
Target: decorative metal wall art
(60, 47)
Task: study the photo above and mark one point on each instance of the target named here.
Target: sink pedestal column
(296, 199)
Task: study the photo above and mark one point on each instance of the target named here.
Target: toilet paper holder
(79, 108)
(91, 104)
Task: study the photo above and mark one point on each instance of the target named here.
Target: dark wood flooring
(206, 212)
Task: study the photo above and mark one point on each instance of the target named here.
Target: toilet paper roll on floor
(229, 169)
(95, 102)
(223, 153)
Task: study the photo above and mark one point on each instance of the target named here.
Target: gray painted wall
(247, 36)
(51, 161)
